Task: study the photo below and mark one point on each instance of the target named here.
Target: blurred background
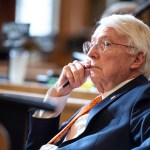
(39, 37)
(53, 31)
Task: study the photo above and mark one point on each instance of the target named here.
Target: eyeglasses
(101, 46)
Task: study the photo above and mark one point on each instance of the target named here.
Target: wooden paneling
(74, 18)
(7, 11)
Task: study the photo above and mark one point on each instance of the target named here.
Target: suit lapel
(102, 105)
(114, 96)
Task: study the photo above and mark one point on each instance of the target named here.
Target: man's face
(113, 66)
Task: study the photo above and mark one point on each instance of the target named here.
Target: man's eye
(107, 43)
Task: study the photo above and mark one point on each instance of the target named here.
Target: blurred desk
(38, 88)
(28, 87)
(77, 99)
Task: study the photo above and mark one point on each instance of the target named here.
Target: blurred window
(42, 15)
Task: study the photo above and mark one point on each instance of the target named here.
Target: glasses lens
(86, 47)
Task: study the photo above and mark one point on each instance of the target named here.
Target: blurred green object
(52, 80)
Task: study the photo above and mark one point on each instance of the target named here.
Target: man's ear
(138, 61)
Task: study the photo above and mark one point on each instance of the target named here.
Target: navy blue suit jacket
(120, 122)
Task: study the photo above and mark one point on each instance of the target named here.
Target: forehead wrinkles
(102, 32)
(106, 33)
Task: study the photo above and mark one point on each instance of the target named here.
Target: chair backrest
(14, 115)
(4, 138)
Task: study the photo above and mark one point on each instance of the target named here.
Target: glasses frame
(103, 45)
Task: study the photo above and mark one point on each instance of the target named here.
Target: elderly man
(118, 64)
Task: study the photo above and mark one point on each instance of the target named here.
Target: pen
(65, 84)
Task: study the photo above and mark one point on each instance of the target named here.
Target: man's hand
(76, 73)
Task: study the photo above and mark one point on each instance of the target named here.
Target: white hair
(137, 33)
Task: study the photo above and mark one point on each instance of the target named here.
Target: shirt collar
(104, 95)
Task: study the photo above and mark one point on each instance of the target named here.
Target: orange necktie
(85, 109)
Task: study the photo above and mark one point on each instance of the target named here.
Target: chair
(4, 138)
